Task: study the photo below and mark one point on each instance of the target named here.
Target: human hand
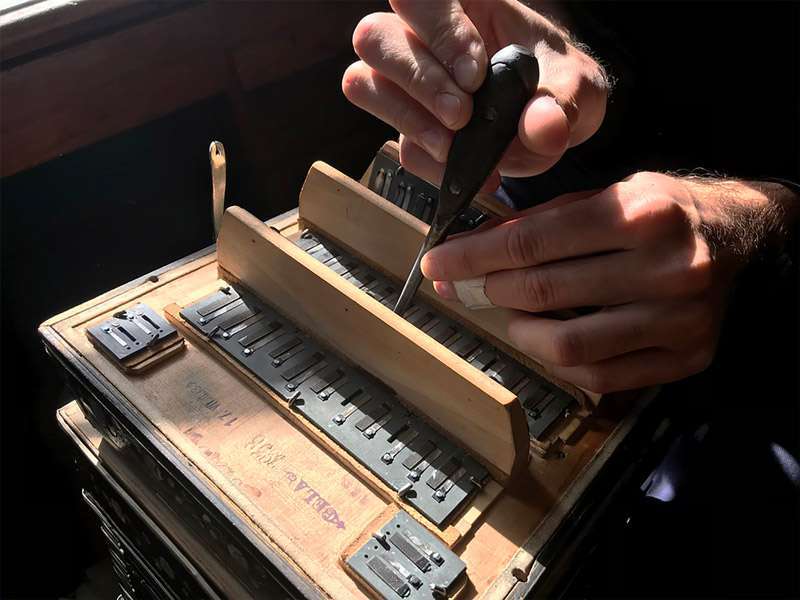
(657, 253)
(420, 64)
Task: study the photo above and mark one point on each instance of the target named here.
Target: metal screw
(338, 419)
(414, 580)
(455, 188)
(203, 321)
(277, 362)
(225, 335)
(437, 558)
(439, 495)
(291, 386)
(247, 352)
(324, 395)
(414, 475)
(387, 458)
(404, 489)
(490, 114)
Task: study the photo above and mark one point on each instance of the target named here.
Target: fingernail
(433, 141)
(465, 70)
(428, 266)
(445, 289)
(448, 107)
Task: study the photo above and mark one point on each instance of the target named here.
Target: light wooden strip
(389, 238)
(482, 415)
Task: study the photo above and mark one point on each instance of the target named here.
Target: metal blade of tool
(511, 80)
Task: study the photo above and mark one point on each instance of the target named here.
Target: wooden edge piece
(482, 415)
(388, 238)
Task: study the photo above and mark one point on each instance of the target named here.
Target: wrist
(741, 219)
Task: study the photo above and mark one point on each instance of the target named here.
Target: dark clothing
(707, 86)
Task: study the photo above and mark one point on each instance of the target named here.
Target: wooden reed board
(210, 396)
(388, 238)
(287, 489)
(113, 467)
(479, 413)
(450, 535)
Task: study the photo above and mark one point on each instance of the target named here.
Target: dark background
(700, 85)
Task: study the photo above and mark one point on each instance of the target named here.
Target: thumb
(544, 128)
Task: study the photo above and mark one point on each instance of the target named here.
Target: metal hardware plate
(132, 331)
(414, 195)
(350, 406)
(404, 560)
(543, 402)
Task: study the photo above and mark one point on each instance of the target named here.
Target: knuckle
(598, 381)
(366, 33)
(568, 348)
(536, 290)
(700, 360)
(352, 81)
(522, 247)
(696, 274)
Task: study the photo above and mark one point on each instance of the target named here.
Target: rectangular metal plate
(350, 406)
(131, 331)
(404, 560)
(414, 195)
(498, 365)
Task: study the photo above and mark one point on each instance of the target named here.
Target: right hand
(420, 65)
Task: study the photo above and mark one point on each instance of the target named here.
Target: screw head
(439, 495)
(203, 321)
(277, 362)
(454, 188)
(414, 475)
(225, 335)
(247, 352)
(338, 419)
(291, 386)
(387, 458)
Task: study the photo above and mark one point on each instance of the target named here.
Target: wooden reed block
(389, 238)
(483, 416)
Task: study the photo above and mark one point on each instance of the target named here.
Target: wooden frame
(482, 415)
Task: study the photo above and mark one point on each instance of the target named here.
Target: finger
(610, 279)
(451, 36)
(387, 45)
(544, 129)
(419, 162)
(587, 226)
(368, 89)
(610, 332)
(641, 368)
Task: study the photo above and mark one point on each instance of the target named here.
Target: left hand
(657, 253)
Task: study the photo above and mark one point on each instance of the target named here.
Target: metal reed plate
(360, 413)
(404, 560)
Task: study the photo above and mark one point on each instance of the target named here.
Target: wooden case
(272, 497)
